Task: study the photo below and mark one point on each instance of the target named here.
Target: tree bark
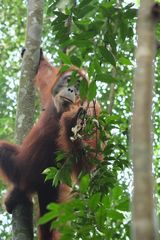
(143, 225)
(25, 108)
(22, 223)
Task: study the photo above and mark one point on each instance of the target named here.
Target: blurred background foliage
(99, 36)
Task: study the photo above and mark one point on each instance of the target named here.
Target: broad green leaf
(130, 13)
(56, 178)
(82, 43)
(125, 61)
(61, 16)
(92, 91)
(48, 217)
(81, 23)
(106, 77)
(96, 26)
(64, 68)
(97, 65)
(124, 205)
(115, 215)
(54, 206)
(83, 89)
(81, 12)
(101, 216)
(117, 191)
(94, 201)
(84, 183)
(85, 35)
(109, 4)
(60, 156)
(50, 173)
(123, 29)
(76, 61)
(110, 39)
(84, 3)
(65, 175)
(106, 201)
(107, 55)
(65, 58)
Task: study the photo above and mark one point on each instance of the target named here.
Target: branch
(143, 226)
(22, 214)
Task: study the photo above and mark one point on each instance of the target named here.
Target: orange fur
(23, 165)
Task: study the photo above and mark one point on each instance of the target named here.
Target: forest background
(101, 37)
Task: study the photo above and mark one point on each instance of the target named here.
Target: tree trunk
(22, 215)
(143, 226)
(25, 108)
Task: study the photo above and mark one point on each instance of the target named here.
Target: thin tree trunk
(25, 108)
(143, 226)
(22, 223)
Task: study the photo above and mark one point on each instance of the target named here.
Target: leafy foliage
(91, 216)
(12, 38)
(87, 212)
(98, 37)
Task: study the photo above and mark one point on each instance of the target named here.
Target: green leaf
(84, 184)
(81, 12)
(94, 201)
(117, 191)
(106, 201)
(83, 89)
(65, 175)
(65, 58)
(110, 39)
(48, 217)
(91, 69)
(56, 178)
(85, 35)
(109, 4)
(62, 35)
(60, 156)
(123, 29)
(50, 173)
(61, 16)
(82, 43)
(125, 61)
(107, 55)
(82, 23)
(83, 3)
(106, 77)
(115, 215)
(100, 216)
(130, 13)
(64, 68)
(76, 61)
(97, 65)
(124, 205)
(53, 207)
(92, 91)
